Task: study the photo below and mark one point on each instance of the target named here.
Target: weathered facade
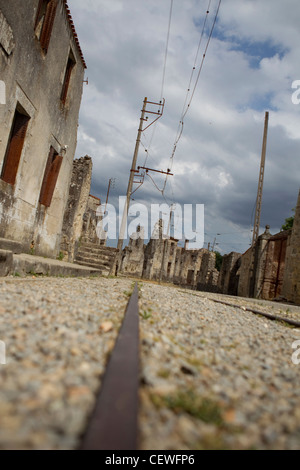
(162, 259)
(76, 206)
(187, 266)
(291, 280)
(208, 276)
(229, 280)
(42, 67)
(133, 255)
(262, 267)
(269, 270)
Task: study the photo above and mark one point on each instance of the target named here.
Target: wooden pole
(260, 182)
(131, 178)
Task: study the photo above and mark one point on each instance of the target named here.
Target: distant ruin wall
(133, 256)
(229, 279)
(76, 206)
(208, 276)
(291, 281)
(244, 274)
(92, 221)
(274, 267)
(162, 259)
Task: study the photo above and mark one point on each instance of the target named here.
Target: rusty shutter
(48, 24)
(50, 160)
(38, 13)
(50, 177)
(67, 79)
(14, 149)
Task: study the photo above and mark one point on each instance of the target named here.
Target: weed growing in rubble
(146, 314)
(204, 409)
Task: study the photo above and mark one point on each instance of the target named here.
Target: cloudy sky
(251, 64)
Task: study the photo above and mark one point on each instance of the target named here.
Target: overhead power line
(163, 75)
(190, 90)
(186, 107)
(166, 53)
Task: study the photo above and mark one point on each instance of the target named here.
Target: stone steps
(99, 257)
(93, 246)
(94, 256)
(96, 252)
(11, 245)
(104, 269)
(91, 261)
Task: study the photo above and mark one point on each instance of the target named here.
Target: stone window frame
(44, 22)
(50, 178)
(71, 63)
(15, 145)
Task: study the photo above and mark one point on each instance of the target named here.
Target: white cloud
(249, 69)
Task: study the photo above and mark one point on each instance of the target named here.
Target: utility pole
(131, 178)
(260, 182)
(133, 172)
(251, 279)
(214, 244)
(111, 183)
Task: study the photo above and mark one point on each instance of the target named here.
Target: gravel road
(215, 377)
(212, 376)
(56, 354)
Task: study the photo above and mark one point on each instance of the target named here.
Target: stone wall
(162, 259)
(154, 252)
(92, 222)
(34, 79)
(229, 279)
(262, 268)
(208, 276)
(270, 286)
(133, 255)
(259, 266)
(77, 206)
(269, 270)
(244, 274)
(291, 281)
(190, 263)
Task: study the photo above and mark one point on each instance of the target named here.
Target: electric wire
(188, 106)
(166, 52)
(188, 102)
(162, 88)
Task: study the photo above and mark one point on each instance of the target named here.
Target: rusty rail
(114, 422)
(270, 316)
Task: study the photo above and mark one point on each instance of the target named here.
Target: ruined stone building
(82, 224)
(42, 67)
(269, 270)
(291, 277)
(77, 206)
(263, 266)
(162, 259)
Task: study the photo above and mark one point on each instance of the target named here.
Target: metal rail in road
(113, 425)
(270, 316)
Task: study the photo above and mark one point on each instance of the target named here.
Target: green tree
(289, 222)
(219, 260)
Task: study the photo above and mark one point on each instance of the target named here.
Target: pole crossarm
(159, 113)
(168, 172)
